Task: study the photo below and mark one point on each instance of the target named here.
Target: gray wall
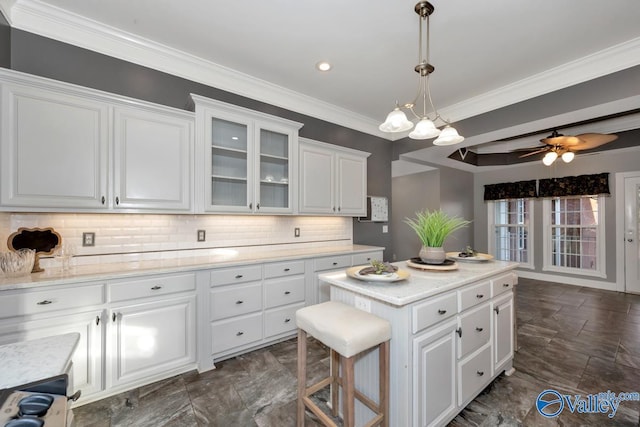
(627, 160)
(5, 42)
(41, 56)
(444, 188)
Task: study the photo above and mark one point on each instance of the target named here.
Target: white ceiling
(487, 54)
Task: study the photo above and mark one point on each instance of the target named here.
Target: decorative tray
(447, 265)
(479, 257)
(387, 277)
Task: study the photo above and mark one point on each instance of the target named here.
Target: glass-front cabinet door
(231, 166)
(274, 170)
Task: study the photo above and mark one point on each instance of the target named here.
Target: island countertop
(420, 284)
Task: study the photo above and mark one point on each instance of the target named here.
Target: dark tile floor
(575, 340)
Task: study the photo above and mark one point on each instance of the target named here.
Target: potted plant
(432, 228)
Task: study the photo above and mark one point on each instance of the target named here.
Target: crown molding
(49, 21)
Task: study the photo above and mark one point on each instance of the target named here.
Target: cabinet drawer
(333, 262)
(235, 332)
(281, 321)
(226, 276)
(160, 285)
(366, 258)
(473, 375)
(502, 284)
(286, 290)
(280, 269)
(20, 303)
(433, 311)
(476, 329)
(474, 295)
(235, 300)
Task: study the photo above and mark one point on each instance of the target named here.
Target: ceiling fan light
(549, 158)
(567, 156)
(448, 136)
(424, 129)
(396, 122)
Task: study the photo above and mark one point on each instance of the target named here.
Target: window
(574, 235)
(512, 228)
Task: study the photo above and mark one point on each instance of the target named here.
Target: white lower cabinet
(474, 373)
(503, 315)
(150, 338)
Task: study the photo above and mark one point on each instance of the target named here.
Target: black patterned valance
(510, 190)
(582, 185)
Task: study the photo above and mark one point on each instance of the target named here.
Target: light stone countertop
(217, 258)
(26, 362)
(421, 284)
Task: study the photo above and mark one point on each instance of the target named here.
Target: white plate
(388, 277)
(480, 257)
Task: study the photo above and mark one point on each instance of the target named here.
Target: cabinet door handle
(505, 285)
(339, 208)
(117, 200)
(97, 320)
(239, 302)
(258, 206)
(480, 296)
(287, 292)
(334, 208)
(250, 205)
(45, 302)
(103, 200)
(459, 332)
(238, 276)
(287, 320)
(480, 373)
(156, 287)
(497, 310)
(114, 317)
(287, 269)
(441, 312)
(240, 333)
(479, 329)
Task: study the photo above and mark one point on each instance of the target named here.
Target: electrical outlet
(363, 304)
(88, 239)
(202, 235)
(296, 232)
(385, 228)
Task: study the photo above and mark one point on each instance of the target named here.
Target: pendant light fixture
(425, 128)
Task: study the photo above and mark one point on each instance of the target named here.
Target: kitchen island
(451, 335)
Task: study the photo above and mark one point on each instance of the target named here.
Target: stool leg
(302, 375)
(335, 367)
(348, 391)
(384, 382)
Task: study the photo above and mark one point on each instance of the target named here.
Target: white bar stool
(347, 331)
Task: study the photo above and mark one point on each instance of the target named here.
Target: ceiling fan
(565, 146)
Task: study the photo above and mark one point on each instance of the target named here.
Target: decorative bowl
(18, 263)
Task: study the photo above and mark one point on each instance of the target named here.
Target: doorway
(628, 209)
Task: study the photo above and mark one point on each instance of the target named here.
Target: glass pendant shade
(396, 122)
(425, 129)
(568, 156)
(448, 136)
(549, 158)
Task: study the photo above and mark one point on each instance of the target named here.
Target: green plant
(433, 227)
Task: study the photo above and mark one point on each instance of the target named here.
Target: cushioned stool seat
(347, 331)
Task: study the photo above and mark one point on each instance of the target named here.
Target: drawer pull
(497, 310)
(287, 320)
(505, 285)
(480, 296)
(368, 258)
(238, 334)
(480, 373)
(156, 287)
(287, 269)
(442, 312)
(459, 332)
(479, 329)
(45, 302)
(239, 301)
(238, 276)
(335, 263)
(287, 292)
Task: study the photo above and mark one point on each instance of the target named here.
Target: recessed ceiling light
(323, 66)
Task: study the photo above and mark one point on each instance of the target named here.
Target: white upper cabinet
(153, 159)
(66, 147)
(246, 159)
(54, 149)
(333, 179)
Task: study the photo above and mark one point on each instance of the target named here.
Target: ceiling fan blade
(593, 140)
(541, 150)
(561, 140)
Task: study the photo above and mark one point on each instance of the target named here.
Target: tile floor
(571, 339)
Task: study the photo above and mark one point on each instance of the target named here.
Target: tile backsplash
(122, 236)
